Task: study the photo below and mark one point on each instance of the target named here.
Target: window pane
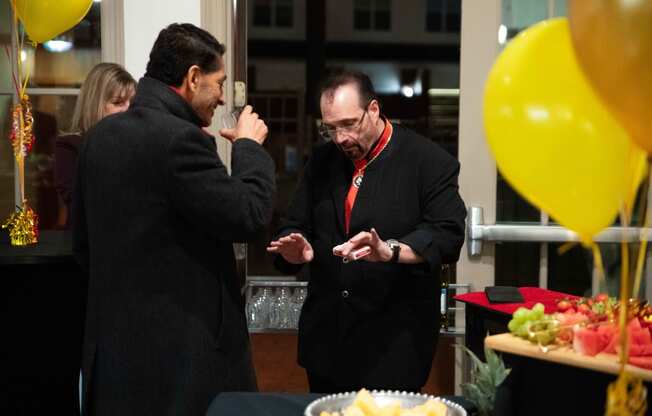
(54, 66)
(362, 5)
(361, 20)
(435, 6)
(362, 14)
(291, 107)
(276, 107)
(284, 13)
(571, 272)
(7, 202)
(511, 207)
(433, 22)
(382, 20)
(561, 8)
(519, 14)
(384, 5)
(284, 16)
(454, 6)
(262, 13)
(5, 41)
(453, 16)
(284, 118)
(517, 264)
(52, 115)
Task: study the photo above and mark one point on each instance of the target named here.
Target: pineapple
(485, 378)
(366, 403)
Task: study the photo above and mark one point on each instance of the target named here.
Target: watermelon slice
(644, 362)
(587, 341)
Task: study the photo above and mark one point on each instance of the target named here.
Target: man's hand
(362, 243)
(294, 248)
(250, 126)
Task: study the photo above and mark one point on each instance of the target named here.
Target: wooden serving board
(606, 363)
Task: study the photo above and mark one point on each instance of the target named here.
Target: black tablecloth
(278, 404)
(43, 291)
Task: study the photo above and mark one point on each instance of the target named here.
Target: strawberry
(601, 297)
(563, 305)
(584, 308)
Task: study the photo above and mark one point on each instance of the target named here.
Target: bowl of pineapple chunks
(383, 403)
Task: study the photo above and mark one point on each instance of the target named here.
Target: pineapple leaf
(485, 378)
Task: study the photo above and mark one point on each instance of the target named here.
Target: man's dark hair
(180, 46)
(339, 77)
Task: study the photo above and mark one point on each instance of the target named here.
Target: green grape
(534, 325)
(539, 309)
(521, 313)
(523, 331)
(513, 325)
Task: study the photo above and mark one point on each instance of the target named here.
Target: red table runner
(532, 295)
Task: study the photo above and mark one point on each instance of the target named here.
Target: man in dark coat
(155, 217)
(382, 194)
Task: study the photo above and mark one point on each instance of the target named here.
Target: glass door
(527, 253)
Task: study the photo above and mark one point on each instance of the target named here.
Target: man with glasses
(382, 195)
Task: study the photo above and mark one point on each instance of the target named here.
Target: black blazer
(376, 324)
(155, 216)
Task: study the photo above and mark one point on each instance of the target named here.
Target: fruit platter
(582, 332)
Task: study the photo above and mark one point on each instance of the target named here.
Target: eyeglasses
(330, 132)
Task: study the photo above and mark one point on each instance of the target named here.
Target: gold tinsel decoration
(626, 396)
(22, 127)
(23, 226)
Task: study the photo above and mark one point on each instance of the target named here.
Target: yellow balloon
(550, 134)
(638, 171)
(613, 42)
(45, 19)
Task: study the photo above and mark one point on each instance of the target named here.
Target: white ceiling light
(57, 45)
(407, 91)
(502, 34)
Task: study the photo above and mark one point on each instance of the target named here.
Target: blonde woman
(108, 89)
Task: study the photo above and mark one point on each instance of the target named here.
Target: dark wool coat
(376, 324)
(155, 216)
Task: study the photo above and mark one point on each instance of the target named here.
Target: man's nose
(339, 138)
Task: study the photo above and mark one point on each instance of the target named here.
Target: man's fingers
(375, 238)
(247, 109)
(297, 236)
(286, 239)
(361, 237)
(343, 249)
(228, 134)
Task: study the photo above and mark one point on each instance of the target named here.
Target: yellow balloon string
(564, 248)
(598, 266)
(23, 223)
(627, 395)
(624, 293)
(642, 252)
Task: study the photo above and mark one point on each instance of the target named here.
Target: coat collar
(154, 94)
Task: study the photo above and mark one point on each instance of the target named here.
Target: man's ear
(192, 77)
(374, 107)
